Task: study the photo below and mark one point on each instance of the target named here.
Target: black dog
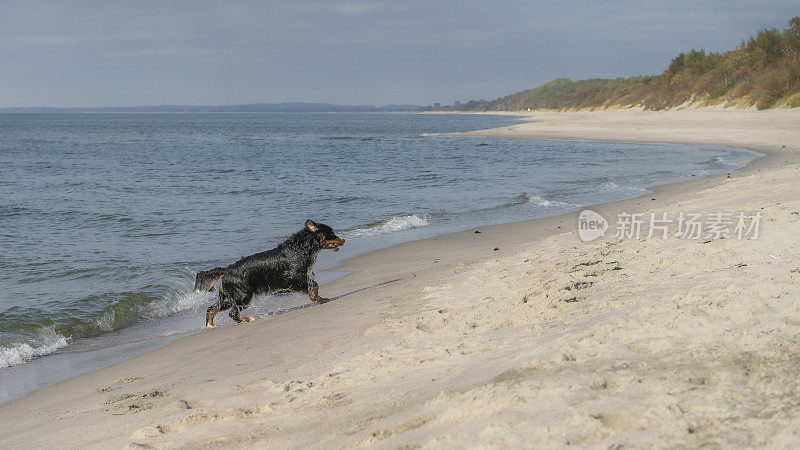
(287, 267)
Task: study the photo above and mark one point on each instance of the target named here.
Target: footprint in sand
(381, 435)
(190, 421)
(133, 403)
(335, 400)
(118, 383)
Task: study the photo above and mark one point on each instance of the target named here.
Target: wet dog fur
(287, 267)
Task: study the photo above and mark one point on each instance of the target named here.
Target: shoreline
(401, 274)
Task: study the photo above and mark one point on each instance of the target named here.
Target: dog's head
(328, 239)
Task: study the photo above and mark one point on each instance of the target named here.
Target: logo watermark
(718, 225)
(591, 225)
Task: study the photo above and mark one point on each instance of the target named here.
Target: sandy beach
(521, 335)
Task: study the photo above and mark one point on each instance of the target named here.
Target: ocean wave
(541, 201)
(28, 333)
(396, 223)
(719, 161)
(21, 353)
(182, 301)
(534, 200)
(612, 186)
(7, 211)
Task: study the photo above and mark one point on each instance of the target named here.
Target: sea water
(105, 218)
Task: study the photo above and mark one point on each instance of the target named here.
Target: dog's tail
(206, 280)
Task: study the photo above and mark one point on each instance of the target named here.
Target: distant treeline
(249, 108)
(763, 70)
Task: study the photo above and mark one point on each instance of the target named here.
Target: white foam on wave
(539, 201)
(22, 353)
(434, 134)
(106, 321)
(181, 300)
(181, 296)
(719, 160)
(536, 200)
(396, 223)
(610, 185)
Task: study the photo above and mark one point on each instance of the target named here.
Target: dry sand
(546, 342)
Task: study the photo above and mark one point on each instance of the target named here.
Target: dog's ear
(311, 225)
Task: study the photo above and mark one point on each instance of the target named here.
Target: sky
(196, 52)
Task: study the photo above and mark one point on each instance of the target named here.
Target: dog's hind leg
(235, 294)
(313, 295)
(211, 312)
(237, 308)
(219, 305)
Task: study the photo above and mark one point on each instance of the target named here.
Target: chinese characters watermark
(718, 225)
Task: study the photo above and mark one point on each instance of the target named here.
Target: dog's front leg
(313, 294)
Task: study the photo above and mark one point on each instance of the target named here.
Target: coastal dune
(521, 335)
